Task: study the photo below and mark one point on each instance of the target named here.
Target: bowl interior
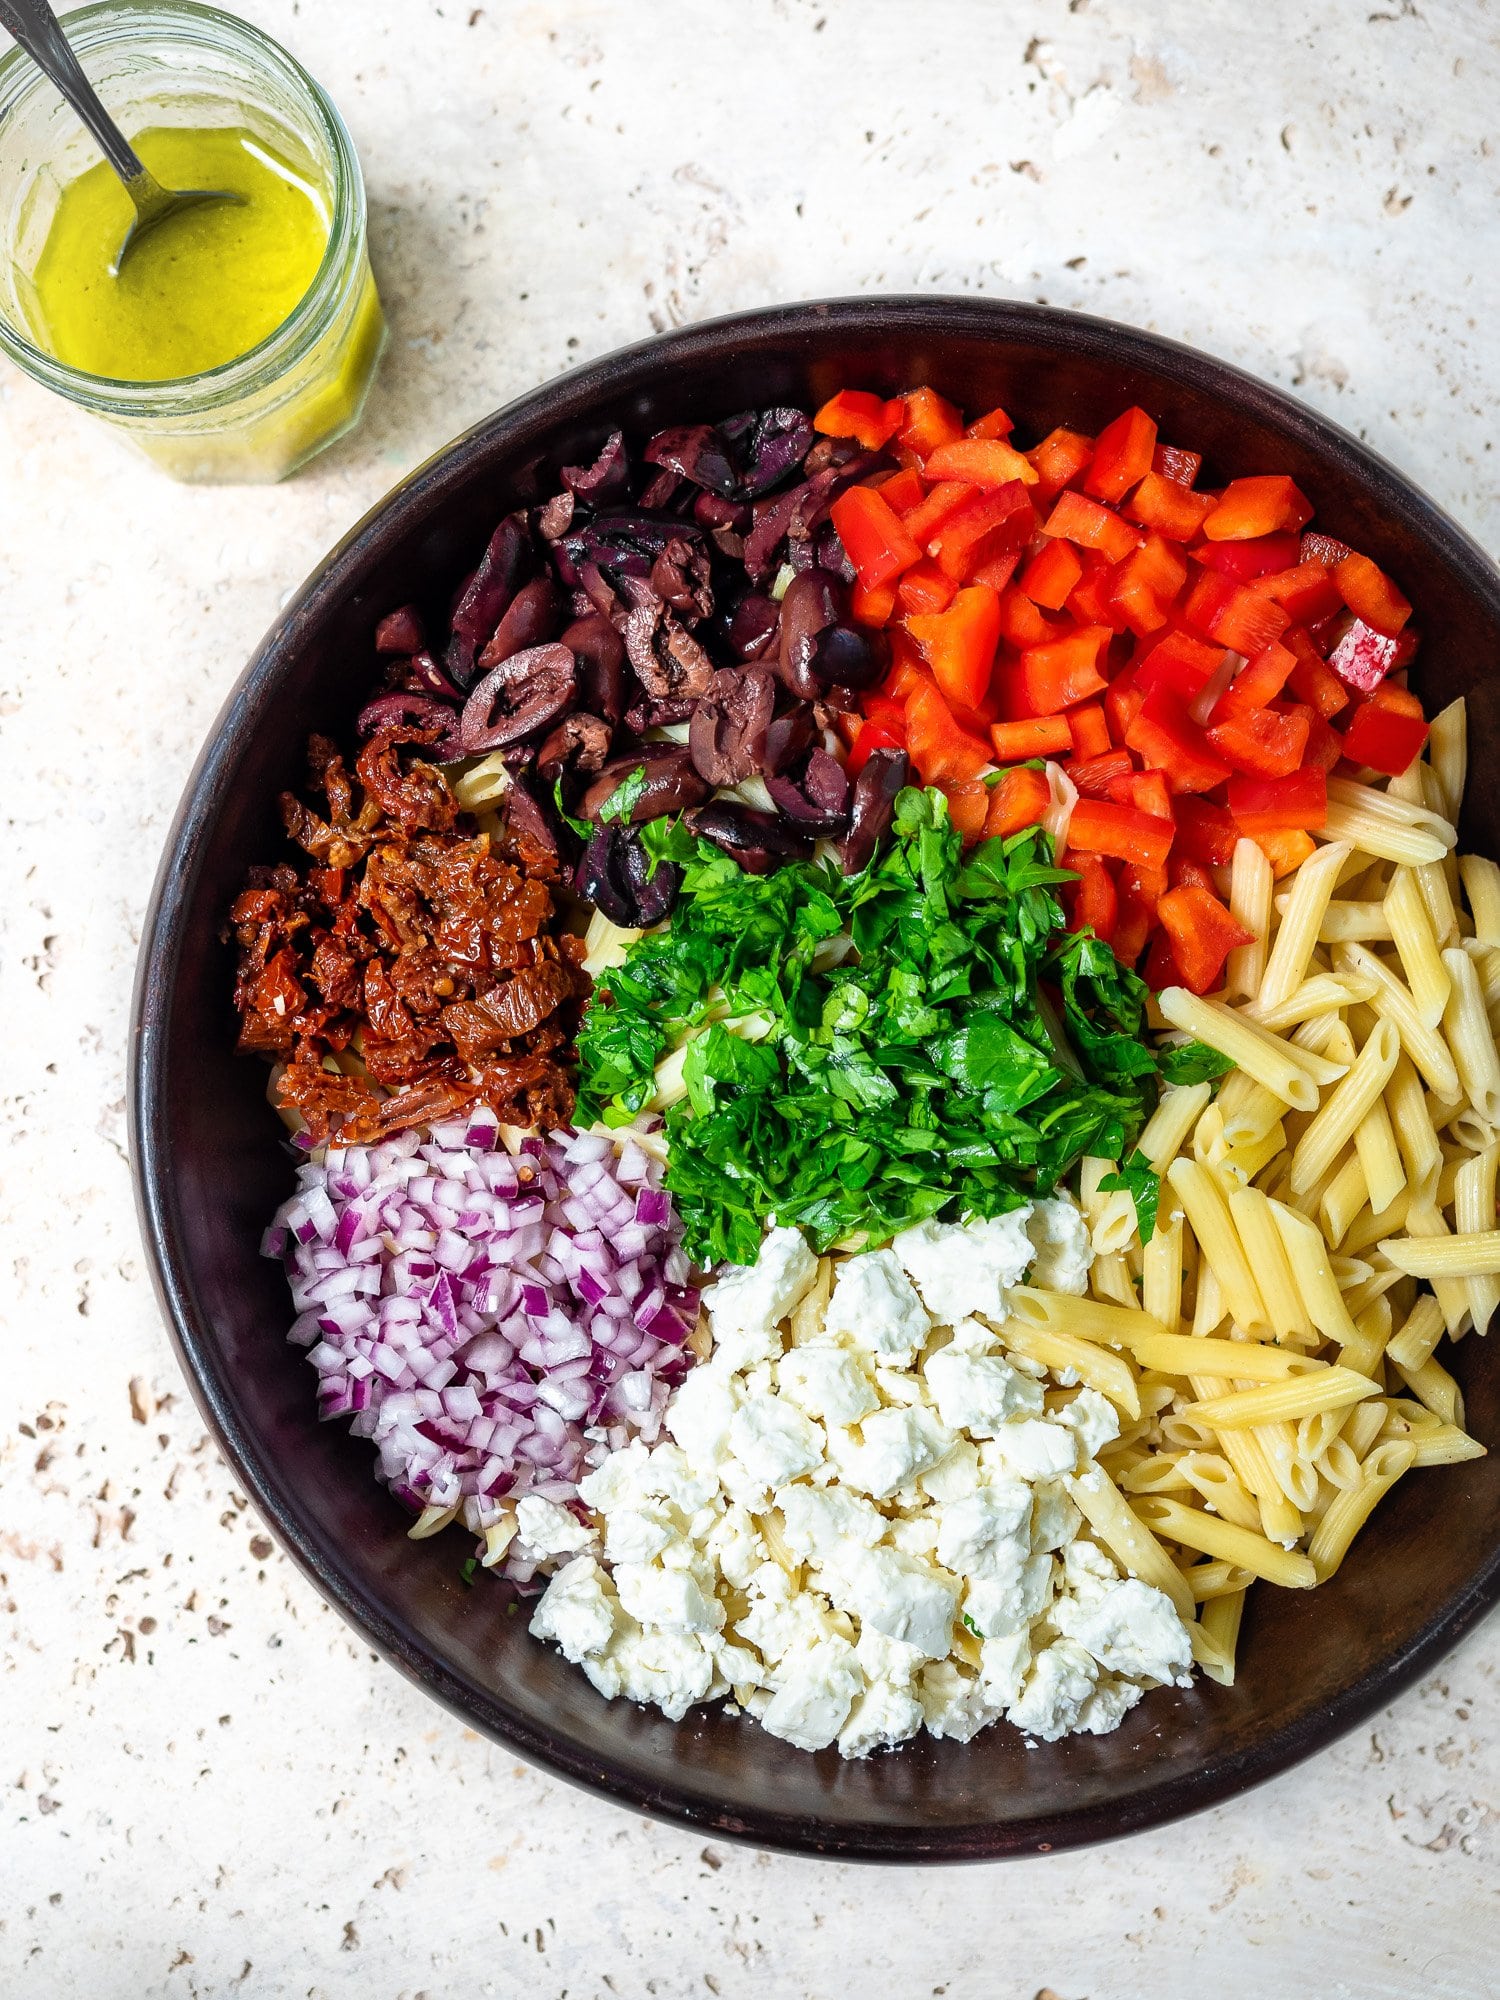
(211, 1171)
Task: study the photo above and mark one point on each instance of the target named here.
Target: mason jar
(259, 416)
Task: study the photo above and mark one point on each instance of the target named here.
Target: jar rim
(109, 24)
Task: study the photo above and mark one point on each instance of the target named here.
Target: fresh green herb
(581, 827)
(864, 1051)
(1192, 1062)
(1142, 1183)
(623, 799)
(468, 1570)
(969, 1625)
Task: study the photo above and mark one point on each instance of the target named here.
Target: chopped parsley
(623, 799)
(866, 1051)
(1192, 1062)
(1137, 1178)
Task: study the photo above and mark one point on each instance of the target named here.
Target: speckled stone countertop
(207, 1786)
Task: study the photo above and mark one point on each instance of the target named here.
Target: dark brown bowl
(210, 1171)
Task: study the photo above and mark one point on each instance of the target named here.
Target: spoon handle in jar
(39, 32)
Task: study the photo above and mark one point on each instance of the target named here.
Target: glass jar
(260, 416)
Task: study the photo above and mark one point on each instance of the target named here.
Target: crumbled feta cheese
(980, 1393)
(883, 1659)
(889, 1449)
(1060, 1238)
(1107, 1707)
(700, 1413)
(1009, 1598)
(670, 1669)
(616, 1482)
(964, 1268)
(550, 1530)
(670, 1598)
(1094, 1418)
(901, 1596)
(821, 1522)
(953, 1477)
(827, 1382)
(751, 1298)
(874, 1305)
(1130, 1628)
(734, 1545)
(1054, 1520)
(774, 1441)
(1087, 1571)
(577, 1610)
(882, 1717)
(636, 1534)
(988, 1533)
(1030, 1448)
(1061, 1680)
(956, 1704)
(1003, 1662)
(813, 1697)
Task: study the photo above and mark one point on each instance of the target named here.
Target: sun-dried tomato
(416, 969)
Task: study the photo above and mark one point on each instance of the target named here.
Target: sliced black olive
(885, 773)
(727, 731)
(520, 696)
(758, 841)
(530, 620)
(616, 876)
(671, 783)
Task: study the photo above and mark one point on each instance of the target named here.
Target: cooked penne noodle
(1420, 1333)
(1433, 1385)
(1351, 796)
(1352, 923)
(1379, 1156)
(1165, 1132)
(1307, 1254)
(1312, 887)
(1324, 993)
(1474, 1215)
(1194, 1529)
(1261, 1055)
(1448, 755)
(1089, 1319)
(1348, 1511)
(1411, 1120)
(1214, 1578)
(1255, 1224)
(1161, 1274)
(1424, 1220)
(1393, 999)
(1110, 1281)
(1094, 1365)
(1474, 1254)
(1208, 1214)
(1344, 1197)
(1208, 1304)
(1231, 1360)
(1213, 1479)
(1372, 1330)
(1417, 946)
(1481, 880)
(1442, 914)
(1250, 884)
(1127, 1537)
(1220, 1627)
(1470, 1038)
(1275, 1402)
(1444, 1445)
(1339, 1116)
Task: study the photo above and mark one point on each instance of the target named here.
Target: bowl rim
(931, 315)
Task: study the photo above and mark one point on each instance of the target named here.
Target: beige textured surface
(206, 1786)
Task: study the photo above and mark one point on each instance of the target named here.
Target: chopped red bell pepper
(987, 461)
(1370, 594)
(1051, 574)
(1076, 518)
(1297, 803)
(1122, 456)
(1097, 776)
(997, 570)
(1166, 505)
(1053, 676)
(872, 737)
(1181, 662)
(1165, 738)
(873, 537)
(1133, 921)
(1306, 592)
(1324, 744)
(993, 521)
(931, 420)
(993, 424)
(1147, 583)
(1122, 701)
(1185, 873)
(1018, 799)
(1247, 562)
(1325, 549)
(1260, 680)
(1059, 459)
(1093, 900)
(1311, 680)
(924, 589)
(1090, 730)
(1205, 832)
(959, 644)
(875, 607)
(1091, 600)
(901, 490)
(1202, 934)
(856, 413)
(943, 752)
(923, 522)
(1285, 851)
(1268, 504)
(968, 806)
(1032, 736)
(1022, 624)
(1101, 826)
(1263, 743)
(1169, 461)
(1147, 791)
(1363, 657)
(1386, 735)
(1222, 609)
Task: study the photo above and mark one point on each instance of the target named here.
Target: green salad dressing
(201, 289)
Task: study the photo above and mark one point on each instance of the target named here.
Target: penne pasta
(1254, 1221)
(1312, 887)
(1393, 999)
(1209, 1218)
(1481, 880)
(1095, 1366)
(1467, 1027)
(1220, 1626)
(1127, 1537)
(1474, 1215)
(1250, 885)
(1348, 1511)
(1379, 1156)
(1417, 945)
(1194, 1529)
(1307, 1254)
(1263, 1056)
(1448, 755)
(1471, 1255)
(1275, 1402)
(1342, 1111)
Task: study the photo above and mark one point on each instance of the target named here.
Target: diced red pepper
(1268, 504)
(1370, 594)
(1090, 730)
(1312, 680)
(1097, 776)
(1169, 461)
(1165, 738)
(1022, 624)
(1247, 562)
(1122, 701)
(1032, 736)
(856, 413)
(1147, 583)
(874, 538)
(1017, 800)
(923, 522)
(1093, 900)
(1285, 851)
(1222, 609)
(1363, 657)
(1077, 518)
(1166, 505)
(993, 521)
(959, 644)
(1091, 600)
(1101, 826)
(997, 570)
(943, 752)
(1260, 680)
(1306, 592)
(1386, 733)
(1122, 456)
(968, 807)
(1147, 791)
(993, 424)
(1206, 833)
(1161, 969)
(872, 737)
(1053, 676)
(1059, 459)
(924, 589)
(1263, 742)
(1325, 549)
(875, 607)
(1202, 934)
(1185, 873)
(1148, 884)
(1134, 918)
(1181, 662)
(1324, 744)
(1297, 803)
(987, 461)
(931, 420)
(901, 490)
(1051, 574)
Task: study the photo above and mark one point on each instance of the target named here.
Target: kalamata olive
(616, 876)
(885, 773)
(814, 600)
(832, 554)
(400, 632)
(423, 671)
(667, 659)
(519, 697)
(671, 783)
(532, 820)
(578, 743)
(387, 711)
(600, 653)
(753, 625)
(503, 568)
(788, 736)
(554, 519)
(647, 713)
(711, 510)
(758, 841)
(843, 656)
(607, 479)
(727, 730)
(680, 578)
(530, 620)
(814, 794)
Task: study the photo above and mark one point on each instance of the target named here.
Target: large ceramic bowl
(210, 1169)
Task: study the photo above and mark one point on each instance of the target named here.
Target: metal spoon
(39, 32)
